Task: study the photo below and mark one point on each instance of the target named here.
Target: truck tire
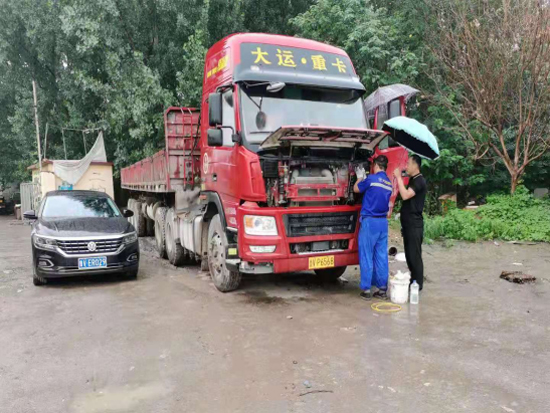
(139, 219)
(150, 224)
(331, 274)
(131, 208)
(174, 251)
(160, 234)
(223, 279)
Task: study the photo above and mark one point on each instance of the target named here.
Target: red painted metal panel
(177, 165)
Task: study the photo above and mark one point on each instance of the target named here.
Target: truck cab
(285, 131)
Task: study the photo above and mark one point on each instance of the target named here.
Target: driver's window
(228, 117)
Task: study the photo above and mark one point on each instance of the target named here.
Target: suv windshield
(79, 206)
(264, 112)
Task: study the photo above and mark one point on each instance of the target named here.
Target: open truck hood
(323, 136)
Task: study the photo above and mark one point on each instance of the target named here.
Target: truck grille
(81, 246)
(303, 225)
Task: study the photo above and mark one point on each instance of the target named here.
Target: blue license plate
(91, 263)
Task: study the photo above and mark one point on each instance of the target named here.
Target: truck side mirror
(30, 215)
(215, 137)
(215, 109)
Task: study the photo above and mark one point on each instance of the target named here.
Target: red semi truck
(260, 179)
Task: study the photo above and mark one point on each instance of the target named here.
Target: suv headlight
(130, 238)
(45, 243)
(260, 225)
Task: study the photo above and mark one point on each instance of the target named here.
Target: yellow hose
(385, 307)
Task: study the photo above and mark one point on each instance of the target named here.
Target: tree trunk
(514, 184)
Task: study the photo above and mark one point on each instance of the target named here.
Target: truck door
(396, 154)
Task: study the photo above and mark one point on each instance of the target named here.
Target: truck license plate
(91, 263)
(321, 262)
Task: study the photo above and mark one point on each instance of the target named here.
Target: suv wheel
(36, 279)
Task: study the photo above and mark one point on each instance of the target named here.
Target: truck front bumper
(285, 258)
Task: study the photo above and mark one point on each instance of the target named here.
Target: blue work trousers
(373, 253)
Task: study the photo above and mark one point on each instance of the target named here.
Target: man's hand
(397, 173)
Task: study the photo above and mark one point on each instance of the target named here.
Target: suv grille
(81, 246)
(303, 225)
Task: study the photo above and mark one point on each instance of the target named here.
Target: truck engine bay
(308, 176)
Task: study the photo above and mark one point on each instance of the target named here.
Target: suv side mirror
(127, 213)
(215, 109)
(215, 137)
(30, 215)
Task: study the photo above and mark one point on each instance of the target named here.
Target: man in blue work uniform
(373, 235)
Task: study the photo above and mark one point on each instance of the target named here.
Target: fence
(30, 196)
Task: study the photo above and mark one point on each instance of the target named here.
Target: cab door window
(228, 118)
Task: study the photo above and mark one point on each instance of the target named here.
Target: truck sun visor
(268, 62)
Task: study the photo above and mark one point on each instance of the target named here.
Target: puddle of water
(121, 399)
(260, 297)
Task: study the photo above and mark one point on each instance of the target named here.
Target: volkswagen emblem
(92, 246)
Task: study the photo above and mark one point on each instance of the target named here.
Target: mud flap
(232, 260)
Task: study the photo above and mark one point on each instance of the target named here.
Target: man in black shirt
(412, 222)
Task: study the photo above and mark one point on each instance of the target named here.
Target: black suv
(81, 233)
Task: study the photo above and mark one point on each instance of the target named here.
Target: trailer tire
(160, 231)
(223, 279)
(139, 219)
(131, 208)
(174, 251)
(331, 274)
(150, 224)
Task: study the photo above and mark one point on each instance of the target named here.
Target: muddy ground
(169, 342)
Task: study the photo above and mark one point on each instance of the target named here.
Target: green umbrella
(413, 135)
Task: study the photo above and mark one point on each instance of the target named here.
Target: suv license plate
(321, 262)
(91, 263)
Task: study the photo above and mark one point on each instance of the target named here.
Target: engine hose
(385, 307)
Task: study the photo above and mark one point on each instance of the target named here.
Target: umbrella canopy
(384, 95)
(413, 135)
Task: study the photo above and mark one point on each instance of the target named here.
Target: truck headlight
(45, 243)
(260, 225)
(130, 238)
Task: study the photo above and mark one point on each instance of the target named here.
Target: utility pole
(46, 141)
(36, 122)
(84, 140)
(64, 145)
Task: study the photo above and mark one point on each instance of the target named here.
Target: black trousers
(412, 239)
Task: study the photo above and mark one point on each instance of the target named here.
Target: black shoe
(366, 295)
(380, 294)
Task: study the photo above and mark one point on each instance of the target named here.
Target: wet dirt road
(169, 342)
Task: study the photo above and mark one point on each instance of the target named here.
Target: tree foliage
(116, 65)
(496, 54)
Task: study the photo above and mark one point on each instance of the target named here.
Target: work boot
(380, 294)
(366, 295)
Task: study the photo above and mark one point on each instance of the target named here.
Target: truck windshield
(264, 112)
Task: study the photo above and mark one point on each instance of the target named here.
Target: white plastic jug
(399, 287)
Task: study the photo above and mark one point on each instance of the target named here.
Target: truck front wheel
(223, 279)
(331, 274)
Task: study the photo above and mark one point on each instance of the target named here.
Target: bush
(517, 217)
